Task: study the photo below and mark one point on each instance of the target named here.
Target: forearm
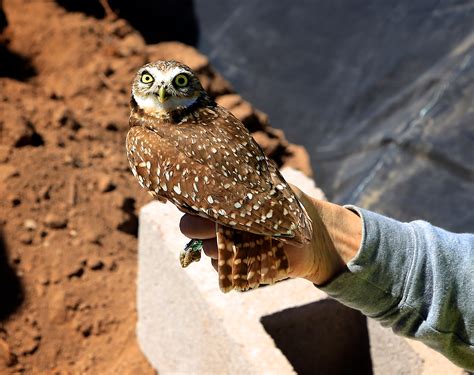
(415, 278)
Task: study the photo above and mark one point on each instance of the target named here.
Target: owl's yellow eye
(147, 78)
(181, 80)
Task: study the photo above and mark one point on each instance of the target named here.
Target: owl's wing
(211, 163)
(299, 214)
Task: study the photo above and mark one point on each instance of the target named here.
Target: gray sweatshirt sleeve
(415, 278)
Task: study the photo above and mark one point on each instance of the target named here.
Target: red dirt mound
(68, 207)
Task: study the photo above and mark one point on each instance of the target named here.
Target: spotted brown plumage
(184, 148)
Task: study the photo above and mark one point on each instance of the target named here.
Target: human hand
(337, 233)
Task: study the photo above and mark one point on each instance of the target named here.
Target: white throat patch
(151, 104)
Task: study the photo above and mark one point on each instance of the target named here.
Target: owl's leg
(190, 253)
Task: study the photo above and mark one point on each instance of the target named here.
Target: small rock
(55, 221)
(93, 237)
(7, 171)
(65, 118)
(83, 306)
(5, 152)
(31, 344)
(73, 161)
(16, 259)
(76, 273)
(96, 265)
(44, 192)
(27, 135)
(97, 154)
(7, 358)
(55, 96)
(86, 330)
(60, 141)
(26, 238)
(112, 127)
(14, 200)
(105, 184)
(30, 224)
(109, 71)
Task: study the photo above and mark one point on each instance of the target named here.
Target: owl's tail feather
(239, 264)
(268, 260)
(247, 260)
(225, 256)
(253, 261)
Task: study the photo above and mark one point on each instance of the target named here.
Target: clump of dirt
(68, 208)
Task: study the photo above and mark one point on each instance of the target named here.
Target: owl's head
(166, 86)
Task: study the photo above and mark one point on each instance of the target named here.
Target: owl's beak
(162, 94)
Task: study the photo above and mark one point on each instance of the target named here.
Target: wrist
(345, 229)
(337, 237)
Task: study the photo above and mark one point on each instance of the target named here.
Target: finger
(210, 248)
(196, 227)
(214, 263)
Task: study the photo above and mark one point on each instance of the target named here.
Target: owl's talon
(190, 253)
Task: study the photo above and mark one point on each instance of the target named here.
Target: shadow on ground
(157, 21)
(323, 337)
(15, 66)
(11, 290)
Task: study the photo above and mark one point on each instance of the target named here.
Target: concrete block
(187, 326)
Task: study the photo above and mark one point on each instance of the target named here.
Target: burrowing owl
(186, 149)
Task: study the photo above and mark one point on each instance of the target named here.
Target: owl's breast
(165, 171)
(149, 157)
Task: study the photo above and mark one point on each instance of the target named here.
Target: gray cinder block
(187, 326)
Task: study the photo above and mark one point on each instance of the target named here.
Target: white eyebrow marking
(165, 75)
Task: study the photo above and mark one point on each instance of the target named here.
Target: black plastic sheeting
(381, 93)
